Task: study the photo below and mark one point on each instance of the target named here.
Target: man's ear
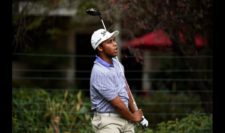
(100, 49)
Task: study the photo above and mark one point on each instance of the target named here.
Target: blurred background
(166, 47)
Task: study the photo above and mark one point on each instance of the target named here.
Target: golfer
(112, 106)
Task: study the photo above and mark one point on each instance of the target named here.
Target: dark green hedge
(42, 111)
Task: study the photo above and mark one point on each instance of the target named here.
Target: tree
(189, 17)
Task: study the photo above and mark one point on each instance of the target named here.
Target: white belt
(107, 114)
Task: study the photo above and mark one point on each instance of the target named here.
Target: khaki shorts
(111, 123)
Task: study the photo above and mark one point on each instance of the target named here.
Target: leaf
(65, 94)
(35, 23)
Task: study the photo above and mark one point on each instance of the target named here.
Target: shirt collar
(102, 62)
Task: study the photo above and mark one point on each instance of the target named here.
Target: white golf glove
(144, 122)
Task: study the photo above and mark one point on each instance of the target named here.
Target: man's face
(109, 47)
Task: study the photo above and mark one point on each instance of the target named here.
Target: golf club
(95, 12)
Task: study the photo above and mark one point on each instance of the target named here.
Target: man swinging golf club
(113, 105)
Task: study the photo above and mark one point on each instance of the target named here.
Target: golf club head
(93, 12)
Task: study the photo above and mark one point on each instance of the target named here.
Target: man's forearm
(122, 109)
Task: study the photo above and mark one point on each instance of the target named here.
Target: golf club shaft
(132, 97)
(128, 89)
(103, 23)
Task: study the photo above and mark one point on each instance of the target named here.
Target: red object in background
(153, 39)
(200, 41)
(159, 38)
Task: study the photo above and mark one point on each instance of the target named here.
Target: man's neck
(106, 59)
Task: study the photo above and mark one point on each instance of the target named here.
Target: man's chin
(114, 56)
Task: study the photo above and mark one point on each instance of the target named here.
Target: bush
(43, 111)
(193, 123)
(164, 106)
(40, 111)
(28, 110)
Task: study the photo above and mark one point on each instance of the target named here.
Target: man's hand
(120, 106)
(137, 115)
(144, 122)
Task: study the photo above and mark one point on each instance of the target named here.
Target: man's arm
(135, 116)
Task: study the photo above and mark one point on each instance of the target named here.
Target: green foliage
(193, 123)
(41, 111)
(27, 110)
(54, 33)
(162, 106)
(139, 129)
(35, 23)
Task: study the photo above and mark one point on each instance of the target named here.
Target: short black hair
(96, 50)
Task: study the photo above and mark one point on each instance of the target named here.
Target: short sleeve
(104, 85)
